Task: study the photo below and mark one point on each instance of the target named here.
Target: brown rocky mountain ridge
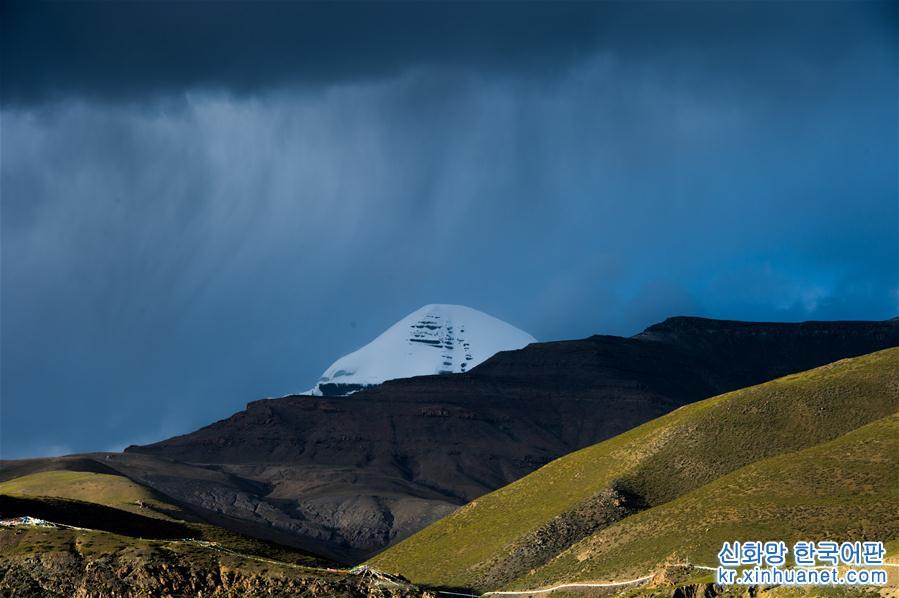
(347, 476)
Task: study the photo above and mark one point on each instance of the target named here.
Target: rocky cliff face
(346, 476)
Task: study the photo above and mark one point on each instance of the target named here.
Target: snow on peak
(435, 339)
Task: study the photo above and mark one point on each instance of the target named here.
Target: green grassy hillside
(844, 489)
(111, 490)
(488, 542)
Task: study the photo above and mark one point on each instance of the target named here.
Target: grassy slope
(73, 490)
(660, 460)
(846, 489)
(111, 490)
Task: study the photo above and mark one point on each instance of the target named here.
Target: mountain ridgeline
(348, 476)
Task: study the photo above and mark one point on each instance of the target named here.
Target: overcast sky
(206, 203)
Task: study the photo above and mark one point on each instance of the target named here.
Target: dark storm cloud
(125, 49)
(139, 49)
(204, 204)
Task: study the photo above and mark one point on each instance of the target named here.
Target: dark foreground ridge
(347, 476)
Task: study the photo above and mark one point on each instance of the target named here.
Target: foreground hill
(43, 562)
(53, 546)
(846, 488)
(348, 476)
(107, 489)
(812, 453)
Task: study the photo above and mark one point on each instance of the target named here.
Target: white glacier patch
(435, 339)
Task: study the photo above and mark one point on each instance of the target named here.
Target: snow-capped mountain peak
(434, 339)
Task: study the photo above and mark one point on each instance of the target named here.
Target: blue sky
(194, 217)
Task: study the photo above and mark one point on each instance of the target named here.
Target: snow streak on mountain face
(436, 339)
